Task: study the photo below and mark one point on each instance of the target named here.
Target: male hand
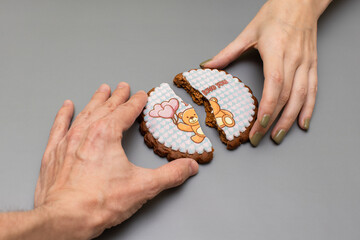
(86, 182)
(284, 32)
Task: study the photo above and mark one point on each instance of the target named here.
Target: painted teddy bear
(223, 117)
(191, 124)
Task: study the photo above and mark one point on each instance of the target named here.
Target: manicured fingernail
(194, 167)
(103, 88)
(265, 121)
(307, 123)
(279, 136)
(67, 103)
(122, 85)
(204, 62)
(256, 138)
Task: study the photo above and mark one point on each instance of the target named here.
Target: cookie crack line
(171, 126)
(230, 106)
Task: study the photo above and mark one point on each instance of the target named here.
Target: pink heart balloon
(167, 112)
(174, 103)
(155, 112)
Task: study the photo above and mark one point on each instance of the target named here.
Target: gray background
(306, 188)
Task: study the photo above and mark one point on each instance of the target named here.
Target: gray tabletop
(305, 188)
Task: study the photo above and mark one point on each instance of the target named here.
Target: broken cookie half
(171, 127)
(230, 106)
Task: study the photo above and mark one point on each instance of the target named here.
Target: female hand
(284, 32)
(86, 182)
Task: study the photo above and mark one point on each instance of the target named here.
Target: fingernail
(103, 88)
(194, 167)
(307, 123)
(256, 138)
(265, 120)
(204, 62)
(122, 85)
(67, 103)
(279, 136)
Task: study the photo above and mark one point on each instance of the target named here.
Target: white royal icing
(161, 116)
(231, 96)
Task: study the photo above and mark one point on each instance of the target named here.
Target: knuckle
(288, 119)
(84, 114)
(81, 154)
(228, 58)
(284, 98)
(276, 77)
(59, 127)
(301, 92)
(314, 61)
(99, 127)
(177, 177)
(296, 58)
(96, 95)
(269, 102)
(313, 90)
(226, 55)
(111, 105)
(130, 108)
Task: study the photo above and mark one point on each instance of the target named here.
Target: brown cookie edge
(163, 151)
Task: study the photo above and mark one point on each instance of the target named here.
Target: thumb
(231, 52)
(175, 173)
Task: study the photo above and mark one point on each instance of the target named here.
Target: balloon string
(175, 119)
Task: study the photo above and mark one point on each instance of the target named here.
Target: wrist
(299, 14)
(60, 223)
(317, 7)
(34, 224)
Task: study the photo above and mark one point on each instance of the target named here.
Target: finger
(308, 108)
(273, 86)
(174, 173)
(119, 96)
(126, 113)
(61, 123)
(293, 107)
(232, 51)
(99, 97)
(257, 131)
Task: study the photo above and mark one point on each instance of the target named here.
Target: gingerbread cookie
(230, 105)
(171, 127)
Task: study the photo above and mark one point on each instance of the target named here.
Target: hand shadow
(148, 211)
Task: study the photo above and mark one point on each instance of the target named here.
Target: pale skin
(284, 32)
(86, 183)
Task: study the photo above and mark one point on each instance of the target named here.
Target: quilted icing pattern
(230, 95)
(164, 114)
